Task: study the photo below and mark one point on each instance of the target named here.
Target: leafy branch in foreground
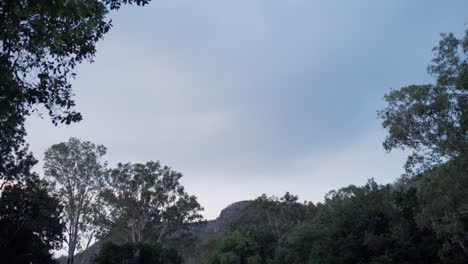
(41, 43)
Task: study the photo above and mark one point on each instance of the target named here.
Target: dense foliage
(30, 226)
(236, 248)
(369, 224)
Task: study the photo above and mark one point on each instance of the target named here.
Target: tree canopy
(77, 171)
(432, 119)
(147, 201)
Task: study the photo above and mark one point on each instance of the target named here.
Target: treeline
(417, 221)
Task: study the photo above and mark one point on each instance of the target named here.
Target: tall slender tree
(77, 171)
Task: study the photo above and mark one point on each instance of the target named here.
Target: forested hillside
(412, 221)
(422, 220)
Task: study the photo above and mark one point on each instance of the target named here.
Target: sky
(249, 97)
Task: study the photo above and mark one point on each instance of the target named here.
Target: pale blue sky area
(250, 97)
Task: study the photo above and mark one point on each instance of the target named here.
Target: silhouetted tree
(30, 225)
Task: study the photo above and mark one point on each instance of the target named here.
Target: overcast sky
(248, 97)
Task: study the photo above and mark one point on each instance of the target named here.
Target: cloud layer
(251, 96)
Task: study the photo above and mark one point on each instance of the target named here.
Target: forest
(139, 212)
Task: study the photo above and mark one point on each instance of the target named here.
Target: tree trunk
(163, 232)
(85, 252)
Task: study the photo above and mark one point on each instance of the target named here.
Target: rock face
(229, 214)
(208, 230)
(222, 222)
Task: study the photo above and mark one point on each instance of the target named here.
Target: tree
(30, 225)
(362, 225)
(147, 202)
(443, 199)
(432, 119)
(235, 248)
(77, 172)
(41, 42)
